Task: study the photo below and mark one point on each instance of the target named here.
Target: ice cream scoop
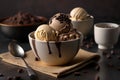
(45, 33)
(78, 14)
(60, 22)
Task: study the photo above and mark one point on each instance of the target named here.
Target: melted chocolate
(33, 42)
(58, 45)
(49, 48)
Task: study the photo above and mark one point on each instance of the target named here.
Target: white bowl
(55, 53)
(84, 26)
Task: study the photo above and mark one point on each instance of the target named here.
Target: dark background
(102, 10)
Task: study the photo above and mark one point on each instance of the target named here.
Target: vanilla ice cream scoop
(60, 22)
(78, 14)
(45, 33)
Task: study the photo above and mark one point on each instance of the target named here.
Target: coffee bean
(97, 77)
(88, 46)
(112, 52)
(17, 78)
(118, 68)
(85, 71)
(9, 78)
(1, 75)
(97, 67)
(77, 73)
(105, 53)
(110, 65)
(117, 51)
(118, 57)
(37, 59)
(108, 56)
(20, 71)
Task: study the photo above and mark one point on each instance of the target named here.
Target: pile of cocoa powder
(22, 18)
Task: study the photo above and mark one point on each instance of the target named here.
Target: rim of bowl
(90, 18)
(29, 35)
(106, 23)
(18, 25)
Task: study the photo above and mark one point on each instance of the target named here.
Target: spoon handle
(31, 73)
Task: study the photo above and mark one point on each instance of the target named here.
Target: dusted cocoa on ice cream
(59, 29)
(60, 22)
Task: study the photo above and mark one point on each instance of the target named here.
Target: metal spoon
(17, 51)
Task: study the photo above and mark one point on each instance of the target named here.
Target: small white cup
(106, 34)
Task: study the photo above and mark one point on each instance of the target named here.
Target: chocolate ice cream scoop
(72, 34)
(60, 22)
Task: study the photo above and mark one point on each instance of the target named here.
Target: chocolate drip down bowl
(55, 52)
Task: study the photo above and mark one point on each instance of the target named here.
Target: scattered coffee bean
(20, 71)
(97, 77)
(105, 53)
(91, 43)
(118, 68)
(110, 65)
(112, 52)
(77, 73)
(88, 46)
(1, 75)
(85, 71)
(37, 59)
(118, 57)
(97, 67)
(108, 56)
(17, 78)
(9, 78)
(117, 51)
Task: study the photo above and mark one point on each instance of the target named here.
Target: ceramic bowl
(84, 26)
(55, 53)
(19, 32)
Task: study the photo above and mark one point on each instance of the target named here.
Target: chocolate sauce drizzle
(33, 42)
(58, 45)
(49, 47)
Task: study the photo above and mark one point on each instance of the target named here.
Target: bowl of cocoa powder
(18, 26)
